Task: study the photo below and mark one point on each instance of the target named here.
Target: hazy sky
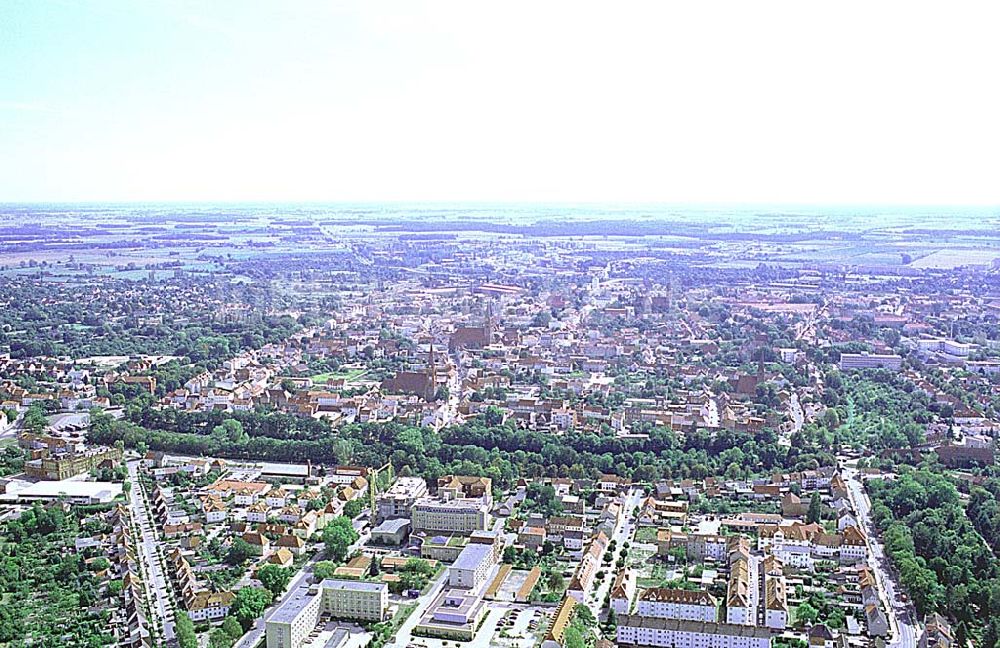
(695, 100)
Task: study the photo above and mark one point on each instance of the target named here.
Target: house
(623, 591)
(292, 542)
(612, 484)
(208, 605)
(937, 633)
(820, 636)
(670, 603)
(878, 625)
(258, 542)
(282, 558)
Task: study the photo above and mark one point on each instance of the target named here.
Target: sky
(548, 101)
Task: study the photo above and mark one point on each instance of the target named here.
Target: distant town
(305, 430)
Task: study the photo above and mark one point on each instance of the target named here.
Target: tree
(353, 508)
(961, 635)
(338, 536)
(274, 578)
(249, 604)
(34, 420)
(573, 638)
(806, 614)
(232, 628)
(323, 570)
(585, 616)
(815, 512)
(220, 638)
(186, 636)
(239, 552)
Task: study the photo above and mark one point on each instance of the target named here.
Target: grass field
(351, 375)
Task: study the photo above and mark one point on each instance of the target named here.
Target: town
(536, 441)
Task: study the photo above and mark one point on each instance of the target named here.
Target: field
(349, 376)
(952, 258)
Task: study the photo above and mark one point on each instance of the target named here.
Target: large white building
(472, 567)
(400, 498)
(291, 623)
(636, 630)
(850, 361)
(668, 603)
(463, 516)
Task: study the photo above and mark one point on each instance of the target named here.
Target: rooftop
(472, 556)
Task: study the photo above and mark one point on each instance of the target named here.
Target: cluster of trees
(338, 536)
(503, 452)
(941, 559)
(79, 321)
(876, 409)
(49, 591)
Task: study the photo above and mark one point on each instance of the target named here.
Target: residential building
(295, 620)
(637, 630)
(669, 603)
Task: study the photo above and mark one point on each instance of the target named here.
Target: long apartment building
(462, 505)
(637, 630)
(292, 623)
(850, 361)
(669, 603)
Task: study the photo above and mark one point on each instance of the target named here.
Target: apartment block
(292, 623)
(636, 630)
(399, 499)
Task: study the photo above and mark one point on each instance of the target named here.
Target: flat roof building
(297, 617)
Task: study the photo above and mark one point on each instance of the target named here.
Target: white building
(667, 603)
(636, 630)
(850, 361)
(472, 567)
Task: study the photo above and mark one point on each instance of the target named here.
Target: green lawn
(350, 375)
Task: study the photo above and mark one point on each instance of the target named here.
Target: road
(902, 621)
(256, 634)
(155, 581)
(624, 532)
(404, 635)
(798, 417)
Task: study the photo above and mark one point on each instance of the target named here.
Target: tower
(432, 387)
(488, 326)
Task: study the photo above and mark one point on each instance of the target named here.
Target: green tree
(806, 614)
(239, 552)
(250, 603)
(34, 420)
(323, 570)
(274, 578)
(573, 638)
(338, 536)
(353, 508)
(232, 628)
(815, 512)
(220, 638)
(186, 636)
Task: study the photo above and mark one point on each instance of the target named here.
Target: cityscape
(310, 426)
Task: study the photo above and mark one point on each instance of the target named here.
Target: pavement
(902, 621)
(256, 634)
(404, 634)
(624, 532)
(156, 581)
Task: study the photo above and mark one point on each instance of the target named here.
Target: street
(156, 582)
(623, 533)
(902, 620)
